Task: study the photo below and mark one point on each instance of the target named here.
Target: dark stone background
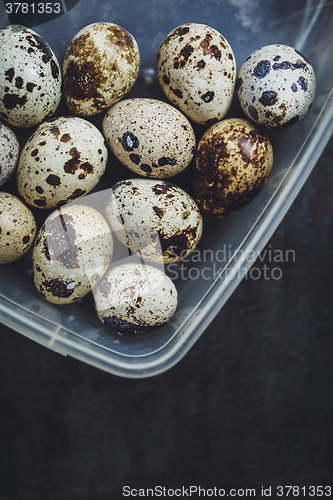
(249, 406)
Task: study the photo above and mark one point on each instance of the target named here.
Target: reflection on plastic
(141, 242)
(32, 14)
(68, 249)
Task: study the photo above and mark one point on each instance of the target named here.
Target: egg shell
(17, 228)
(233, 160)
(72, 251)
(63, 160)
(276, 86)
(150, 137)
(157, 220)
(134, 299)
(196, 69)
(30, 77)
(9, 153)
(100, 66)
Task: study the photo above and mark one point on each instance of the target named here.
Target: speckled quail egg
(100, 66)
(233, 160)
(134, 299)
(150, 137)
(72, 251)
(276, 86)
(196, 69)
(30, 77)
(157, 220)
(17, 228)
(63, 160)
(9, 152)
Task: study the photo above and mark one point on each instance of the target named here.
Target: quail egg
(72, 251)
(196, 69)
(233, 160)
(30, 77)
(150, 137)
(133, 299)
(276, 86)
(157, 220)
(9, 152)
(100, 66)
(17, 228)
(63, 160)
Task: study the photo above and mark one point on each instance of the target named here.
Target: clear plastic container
(208, 277)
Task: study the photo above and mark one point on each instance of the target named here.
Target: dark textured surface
(249, 406)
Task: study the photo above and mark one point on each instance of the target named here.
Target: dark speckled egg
(17, 228)
(100, 66)
(133, 299)
(233, 160)
(150, 137)
(9, 152)
(196, 68)
(30, 77)
(276, 86)
(157, 220)
(72, 251)
(63, 160)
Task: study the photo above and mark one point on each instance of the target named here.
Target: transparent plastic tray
(226, 250)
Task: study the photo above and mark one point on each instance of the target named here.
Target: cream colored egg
(30, 77)
(150, 137)
(157, 220)
(72, 251)
(233, 160)
(196, 68)
(9, 152)
(17, 228)
(62, 161)
(133, 299)
(100, 66)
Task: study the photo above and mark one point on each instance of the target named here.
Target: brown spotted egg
(100, 66)
(150, 137)
(17, 228)
(30, 77)
(72, 251)
(276, 86)
(133, 299)
(196, 68)
(63, 160)
(9, 152)
(157, 220)
(233, 160)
